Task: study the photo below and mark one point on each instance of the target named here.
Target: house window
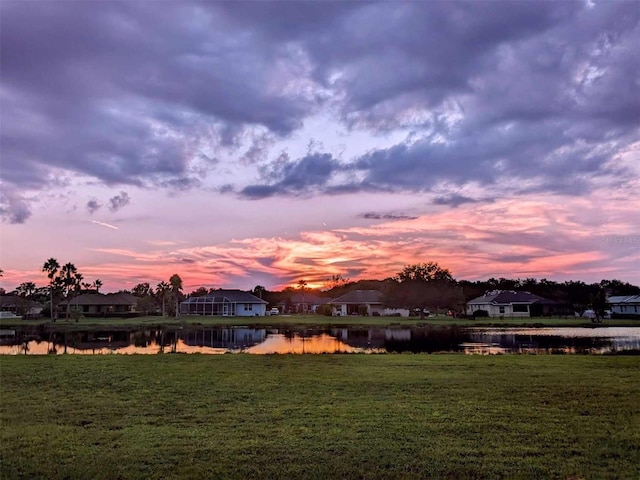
(520, 308)
(501, 309)
(248, 306)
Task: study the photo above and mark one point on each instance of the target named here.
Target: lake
(468, 340)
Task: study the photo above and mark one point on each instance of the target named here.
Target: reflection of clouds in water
(569, 332)
(213, 341)
(279, 343)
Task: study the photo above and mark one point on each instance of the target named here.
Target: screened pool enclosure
(224, 303)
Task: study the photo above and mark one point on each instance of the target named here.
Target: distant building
(226, 303)
(508, 303)
(119, 304)
(17, 306)
(626, 305)
(307, 302)
(349, 304)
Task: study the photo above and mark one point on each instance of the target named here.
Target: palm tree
(301, 284)
(176, 290)
(25, 291)
(161, 291)
(78, 289)
(70, 278)
(51, 266)
(97, 285)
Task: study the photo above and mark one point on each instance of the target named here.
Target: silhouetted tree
(51, 267)
(144, 293)
(176, 292)
(422, 285)
(301, 286)
(162, 292)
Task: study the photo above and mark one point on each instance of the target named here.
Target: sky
(259, 143)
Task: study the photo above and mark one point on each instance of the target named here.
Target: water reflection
(339, 340)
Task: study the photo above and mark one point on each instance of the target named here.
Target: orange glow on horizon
(507, 238)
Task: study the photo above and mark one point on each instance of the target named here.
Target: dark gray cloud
(386, 216)
(539, 95)
(303, 176)
(93, 206)
(13, 207)
(119, 201)
(453, 200)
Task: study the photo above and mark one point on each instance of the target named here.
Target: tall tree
(25, 291)
(258, 291)
(424, 272)
(51, 267)
(71, 281)
(97, 284)
(423, 285)
(162, 291)
(176, 292)
(144, 293)
(301, 285)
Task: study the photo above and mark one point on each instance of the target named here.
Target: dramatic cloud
(528, 93)
(300, 177)
(119, 201)
(266, 121)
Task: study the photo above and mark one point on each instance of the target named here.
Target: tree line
(417, 287)
(67, 283)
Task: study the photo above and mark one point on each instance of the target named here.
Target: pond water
(331, 340)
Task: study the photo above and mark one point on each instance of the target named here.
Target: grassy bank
(326, 416)
(306, 320)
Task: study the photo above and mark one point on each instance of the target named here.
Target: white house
(349, 304)
(625, 304)
(227, 303)
(507, 303)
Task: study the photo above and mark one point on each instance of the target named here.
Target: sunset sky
(246, 143)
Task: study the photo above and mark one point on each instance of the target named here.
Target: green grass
(305, 320)
(324, 416)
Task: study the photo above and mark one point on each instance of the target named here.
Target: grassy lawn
(320, 416)
(306, 320)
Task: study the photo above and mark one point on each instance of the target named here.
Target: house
(307, 302)
(366, 300)
(625, 305)
(349, 303)
(508, 303)
(119, 304)
(227, 303)
(18, 306)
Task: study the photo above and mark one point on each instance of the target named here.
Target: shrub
(480, 313)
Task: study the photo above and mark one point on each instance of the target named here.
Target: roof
(16, 300)
(506, 297)
(119, 298)
(222, 296)
(359, 297)
(623, 299)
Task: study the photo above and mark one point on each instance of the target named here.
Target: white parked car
(274, 311)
